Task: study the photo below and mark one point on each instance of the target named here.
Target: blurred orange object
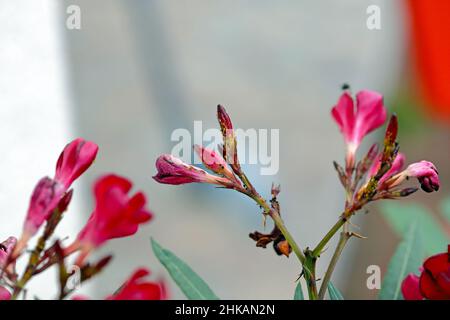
(430, 24)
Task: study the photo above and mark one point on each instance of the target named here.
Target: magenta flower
(424, 171)
(116, 215)
(370, 114)
(172, 170)
(4, 294)
(45, 198)
(75, 159)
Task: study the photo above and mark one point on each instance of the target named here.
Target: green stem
(337, 253)
(308, 265)
(309, 268)
(281, 226)
(32, 264)
(319, 248)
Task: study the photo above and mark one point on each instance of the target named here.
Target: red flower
(116, 214)
(75, 159)
(136, 288)
(410, 288)
(370, 114)
(435, 278)
(433, 283)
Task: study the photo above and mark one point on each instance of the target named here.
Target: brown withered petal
(282, 247)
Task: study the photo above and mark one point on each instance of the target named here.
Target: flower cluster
(117, 213)
(385, 173)
(380, 174)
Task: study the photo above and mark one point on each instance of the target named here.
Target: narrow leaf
(334, 293)
(299, 292)
(400, 217)
(446, 208)
(187, 280)
(407, 259)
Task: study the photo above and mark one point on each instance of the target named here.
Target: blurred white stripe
(34, 120)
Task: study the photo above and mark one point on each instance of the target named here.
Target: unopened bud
(391, 131)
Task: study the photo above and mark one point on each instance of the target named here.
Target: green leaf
(187, 280)
(446, 208)
(334, 293)
(407, 259)
(299, 292)
(400, 217)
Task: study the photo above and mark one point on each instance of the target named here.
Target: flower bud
(214, 162)
(172, 170)
(75, 159)
(391, 131)
(229, 138)
(424, 171)
(4, 294)
(6, 249)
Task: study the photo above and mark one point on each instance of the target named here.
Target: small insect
(345, 86)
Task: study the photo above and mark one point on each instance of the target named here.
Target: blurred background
(137, 70)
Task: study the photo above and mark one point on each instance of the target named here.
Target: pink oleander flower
(172, 170)
(6, 249)
(424, 171)
(74, 160)
(369, 115)
(117, 214)
(136, 288)
(4, 294)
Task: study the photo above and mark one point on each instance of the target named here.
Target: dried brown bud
(341, 173)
